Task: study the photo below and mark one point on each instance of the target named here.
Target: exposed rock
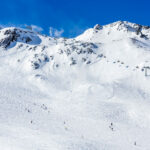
(97, 27)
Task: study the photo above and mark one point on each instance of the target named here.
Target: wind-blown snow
(86, 93)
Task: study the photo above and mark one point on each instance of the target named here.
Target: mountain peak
(128, 26)
(12, 34)
(114, 31)
(97, 27)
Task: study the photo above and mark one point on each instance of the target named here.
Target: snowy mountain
(91, 92)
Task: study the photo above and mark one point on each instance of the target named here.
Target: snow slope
(86, 93)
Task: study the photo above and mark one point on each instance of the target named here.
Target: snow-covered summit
(116, 30)
(11, 35)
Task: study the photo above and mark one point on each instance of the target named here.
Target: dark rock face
(12, 36)
(36, 65)
(28, 39)
(6, 42)
(139, 32)
(39, 60)
(146, 27)
(97, 27)
(73, 61)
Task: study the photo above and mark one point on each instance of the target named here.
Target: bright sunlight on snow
(91, 92)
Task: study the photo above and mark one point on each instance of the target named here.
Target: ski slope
(84, 93)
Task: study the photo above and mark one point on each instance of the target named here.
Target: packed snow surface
(91, 92)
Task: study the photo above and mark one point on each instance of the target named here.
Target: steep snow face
(87, 93)
(123, 42)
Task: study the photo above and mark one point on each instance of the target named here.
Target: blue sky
(72, 16)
